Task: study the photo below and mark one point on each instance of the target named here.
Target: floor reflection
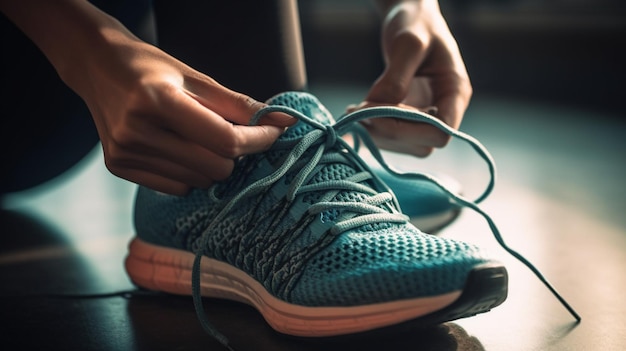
(48, 291)
(246, 330)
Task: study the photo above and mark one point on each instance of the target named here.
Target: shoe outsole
(486, 288)
(169, 270)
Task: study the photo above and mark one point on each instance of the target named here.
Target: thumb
(239, 108)
(277, 119)
(232, 106)
(406, 54)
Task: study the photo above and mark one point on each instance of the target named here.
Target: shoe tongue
(311, 107)
(306, 103)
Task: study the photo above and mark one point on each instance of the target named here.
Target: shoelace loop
(331, 136)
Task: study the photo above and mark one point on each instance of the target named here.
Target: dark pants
(45, 127)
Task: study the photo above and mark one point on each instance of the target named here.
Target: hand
(424, 69)
(166, 126)
(161, 123)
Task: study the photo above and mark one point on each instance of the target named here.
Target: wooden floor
(560, 200)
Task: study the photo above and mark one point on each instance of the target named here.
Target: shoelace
(379, 207)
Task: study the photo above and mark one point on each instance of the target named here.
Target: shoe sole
(169, 270)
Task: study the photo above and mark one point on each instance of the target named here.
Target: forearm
(64, 30)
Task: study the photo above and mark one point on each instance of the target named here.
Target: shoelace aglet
(197, 301)
(565, 304)
(540, 276)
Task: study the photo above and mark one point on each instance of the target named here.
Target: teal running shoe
(428, 207)
(308, 235)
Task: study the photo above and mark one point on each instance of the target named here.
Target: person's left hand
(424, 70)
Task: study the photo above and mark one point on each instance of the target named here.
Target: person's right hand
(161, 123)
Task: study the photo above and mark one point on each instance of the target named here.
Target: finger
(406, 54)
(152, 180)
(193, 121)
(399, 135)
(398, 143)
(158, 165)
(431, 110)
(451, 95)
(155, 182)
(412, 133)
(233, 106)
(166, 145)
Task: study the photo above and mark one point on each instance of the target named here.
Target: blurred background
(559, 51)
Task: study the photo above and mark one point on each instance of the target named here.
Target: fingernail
(432, 110)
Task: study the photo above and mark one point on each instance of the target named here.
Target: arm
(161, 123)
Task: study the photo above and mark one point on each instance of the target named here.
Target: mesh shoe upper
(322, 232)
